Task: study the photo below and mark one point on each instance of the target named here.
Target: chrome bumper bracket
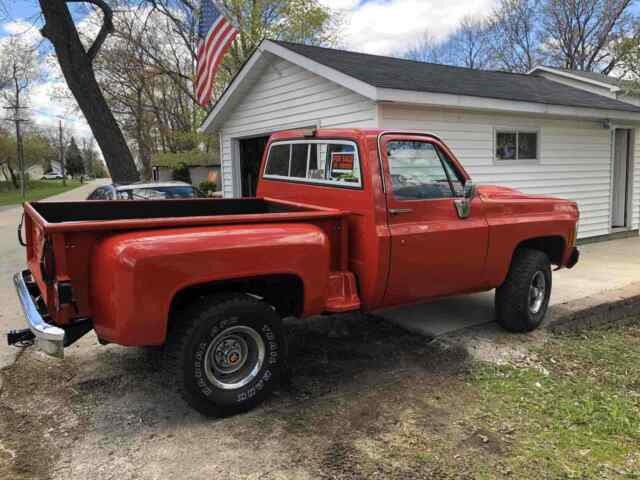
(49, 338)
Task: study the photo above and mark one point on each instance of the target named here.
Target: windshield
(158, 193)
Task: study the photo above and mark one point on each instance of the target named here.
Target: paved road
(12, 259)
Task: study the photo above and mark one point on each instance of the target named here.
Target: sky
(382, 27)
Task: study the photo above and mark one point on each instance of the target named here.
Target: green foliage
(36, 190)
(74, 163)
(577, 411)
(208, 187)
(181, 173)
(301, 21)
(629, 50)
(37, 149)
(98, 170)
(190, 158)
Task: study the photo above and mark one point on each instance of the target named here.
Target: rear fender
(135, 276)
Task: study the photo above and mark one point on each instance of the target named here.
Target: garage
(549, 132)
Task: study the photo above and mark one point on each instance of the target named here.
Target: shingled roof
(401, 74)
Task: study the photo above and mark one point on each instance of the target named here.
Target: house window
(516, 145)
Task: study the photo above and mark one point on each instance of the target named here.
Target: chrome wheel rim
(234, 357)
(537, 292)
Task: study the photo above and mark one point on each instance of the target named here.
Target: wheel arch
(553, 245)
(269, 288)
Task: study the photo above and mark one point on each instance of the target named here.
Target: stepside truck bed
(62, 238)
(126, 215)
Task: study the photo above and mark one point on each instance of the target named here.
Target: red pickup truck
(344, 220)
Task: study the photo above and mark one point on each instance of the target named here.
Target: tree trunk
(76, 65)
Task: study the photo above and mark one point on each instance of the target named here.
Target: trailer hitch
(21, 338)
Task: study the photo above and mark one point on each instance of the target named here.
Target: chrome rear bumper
(50, 339)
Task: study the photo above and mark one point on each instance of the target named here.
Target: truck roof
(312, 133)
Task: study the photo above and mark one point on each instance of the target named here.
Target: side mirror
(470, 190)
(463, 205)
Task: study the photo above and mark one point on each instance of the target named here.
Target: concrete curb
(596, 310)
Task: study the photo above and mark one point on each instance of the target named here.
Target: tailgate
(62, 279)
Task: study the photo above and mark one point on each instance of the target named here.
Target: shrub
(181, 173)
(208, 187)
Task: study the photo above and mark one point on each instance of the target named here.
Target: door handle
(397, 211)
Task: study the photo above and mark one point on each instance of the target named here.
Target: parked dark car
(146, 191)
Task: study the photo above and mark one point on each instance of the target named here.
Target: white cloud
(48, 98)
(51, 102)
(372, 26)
(26, 31)
(388, 26)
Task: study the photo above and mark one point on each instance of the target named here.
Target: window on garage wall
(516, 145)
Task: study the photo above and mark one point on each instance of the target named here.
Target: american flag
(216, 36)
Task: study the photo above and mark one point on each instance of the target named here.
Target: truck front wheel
(226, 352)
(521, 302)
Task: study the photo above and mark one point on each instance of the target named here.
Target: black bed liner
(59, 212)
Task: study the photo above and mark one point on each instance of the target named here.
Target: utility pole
(64, 174)
(17, 108)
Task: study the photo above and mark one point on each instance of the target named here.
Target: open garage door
(251, 150)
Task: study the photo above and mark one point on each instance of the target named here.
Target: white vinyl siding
(575, 157)
(285, 97)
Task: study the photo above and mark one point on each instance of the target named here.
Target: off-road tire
(192, 335)
(512, 297)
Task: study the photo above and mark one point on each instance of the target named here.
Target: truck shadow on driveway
(112, 408)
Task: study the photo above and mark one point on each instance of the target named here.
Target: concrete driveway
(13, 260)
(603, 266)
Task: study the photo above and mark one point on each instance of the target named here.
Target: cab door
(434, 252)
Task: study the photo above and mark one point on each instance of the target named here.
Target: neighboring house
(35, 172)
(536, 132)
(203, 167)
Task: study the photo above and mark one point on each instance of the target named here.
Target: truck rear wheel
(521, 302)
(226, 352)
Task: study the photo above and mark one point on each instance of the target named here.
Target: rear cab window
(323, 162)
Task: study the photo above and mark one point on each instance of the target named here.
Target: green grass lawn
(37, 190)
(576, 415)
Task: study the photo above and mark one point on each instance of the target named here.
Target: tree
(302, 21)
(583, 34)
(516, 35)
(37, 149)
(19, 68)
(426, 49)
(76, 64)
(93, 166)
(74, 163)
(146, 67)
(469, 46)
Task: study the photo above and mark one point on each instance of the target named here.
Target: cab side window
(419, 171)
